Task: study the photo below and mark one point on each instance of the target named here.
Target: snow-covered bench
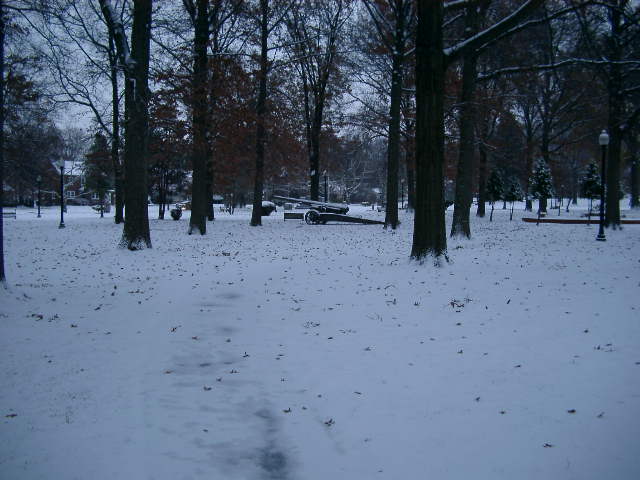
(9, 212)
(293, 216)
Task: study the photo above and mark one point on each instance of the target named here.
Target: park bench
(575, 221)
(293, 216)
(9, 212)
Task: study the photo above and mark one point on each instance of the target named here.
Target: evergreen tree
(98, 169)
(541, 186)
(495, 189)
(591, 184)
(514, 194)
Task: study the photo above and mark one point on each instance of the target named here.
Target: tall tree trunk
(209, 191)
(429, 234)
(542, 205)
(135, 235)
(409, 135)
(314, 159)
(528, 166)
(199, 202)
(464, 178)
(411, 189)
(3, 277)
(115, 133)
(482, 182)
(393, 149)
(256, 214)
(162, 196)
(546, 155)
(616, 108)
(211, 215)
(635, 174)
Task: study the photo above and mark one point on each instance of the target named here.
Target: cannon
(315, 205)
(323, 212)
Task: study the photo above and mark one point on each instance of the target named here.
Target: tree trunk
(119, 206)
(314, 159)
(464, 177)
(307, 119)
(635, 179)
(316, 129)
(136, 234)
(162, 195)
(482, 182)
(211, 215)
(411, 189)
(199, 202)
(542, 205)
(528, 167)
(429, 234)
(115, 133)
(256, 214)
(616, 108)
(393, 148)
(3, 278)
(546, 155)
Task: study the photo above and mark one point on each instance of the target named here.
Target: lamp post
(60, 165)
(402, 194)
(39, 181)
(603, 140)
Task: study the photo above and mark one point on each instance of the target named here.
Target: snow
(119, 33)
(293, 351)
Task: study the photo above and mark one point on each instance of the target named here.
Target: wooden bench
(576, 221)
(293, 216)
(9, 212)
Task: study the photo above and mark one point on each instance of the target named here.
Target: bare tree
(429, 236)
(3, 279)
(393, 20)
(267, 18)
(199, 13)
(611, 29)
(135, 63)
(460, 226)
(315, 28)
(80, 54)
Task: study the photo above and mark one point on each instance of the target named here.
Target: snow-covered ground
(318, 352)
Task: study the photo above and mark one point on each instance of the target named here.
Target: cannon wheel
(312, 217)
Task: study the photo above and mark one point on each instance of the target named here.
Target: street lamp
(603, 140)
(39, 181)
(60, 165)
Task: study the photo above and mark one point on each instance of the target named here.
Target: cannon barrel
(315, 205)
